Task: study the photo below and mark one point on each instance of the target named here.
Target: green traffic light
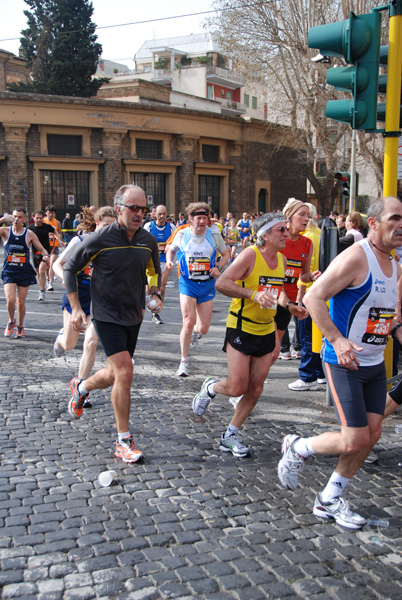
(350, 38)
(357, 40)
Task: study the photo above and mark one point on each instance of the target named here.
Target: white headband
(269, 226)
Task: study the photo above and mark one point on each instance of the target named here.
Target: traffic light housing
(344, 176)
(357, 40)
(382, 88)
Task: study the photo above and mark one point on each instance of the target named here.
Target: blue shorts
(356, 393)
(202, 290)
(84, 296)
(244, 234)
(20, 278)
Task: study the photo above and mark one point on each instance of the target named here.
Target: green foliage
(60, 48)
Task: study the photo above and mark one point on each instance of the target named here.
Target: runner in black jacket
(123, 256)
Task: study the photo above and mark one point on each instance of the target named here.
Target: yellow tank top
(246, 314)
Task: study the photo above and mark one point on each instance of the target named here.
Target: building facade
(73, 152)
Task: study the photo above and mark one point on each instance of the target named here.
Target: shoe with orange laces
(127, 451)
(20, 333)
(8, 332)
(76, 403)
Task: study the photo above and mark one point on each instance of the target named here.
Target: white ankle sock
(334, 487)
(210, 390)
(231, 430)
(82, 390)
(123, 436)
(303, 446)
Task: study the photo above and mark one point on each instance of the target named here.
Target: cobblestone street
(189, 522)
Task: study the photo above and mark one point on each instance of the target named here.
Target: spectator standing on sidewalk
(310, 368)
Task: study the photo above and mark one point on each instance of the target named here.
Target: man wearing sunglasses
(124, 256)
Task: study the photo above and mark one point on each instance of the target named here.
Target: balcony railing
(225, 74)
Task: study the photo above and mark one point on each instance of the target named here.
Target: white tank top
(364, 313)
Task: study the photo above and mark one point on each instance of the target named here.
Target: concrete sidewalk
(189, 522)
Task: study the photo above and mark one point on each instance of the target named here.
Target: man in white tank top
(362, 286)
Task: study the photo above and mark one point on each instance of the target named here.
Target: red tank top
(296, 254)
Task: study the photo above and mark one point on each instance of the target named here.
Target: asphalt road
(189, 522)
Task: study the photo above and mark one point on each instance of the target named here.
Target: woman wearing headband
(197, 247)
(255, 282)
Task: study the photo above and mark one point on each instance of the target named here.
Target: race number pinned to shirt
(378, 326)
(16, 259)
(273, 285)
(293, 269)
(198, 266)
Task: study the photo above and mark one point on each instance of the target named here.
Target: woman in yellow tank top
(252, 280)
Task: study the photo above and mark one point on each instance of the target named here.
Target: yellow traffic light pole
(392, 118)
(393, 103)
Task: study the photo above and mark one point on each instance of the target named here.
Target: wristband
(157, 294)
(253, 295)
(290, 302)
(395, 329)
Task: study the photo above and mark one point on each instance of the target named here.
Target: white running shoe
(303, 386)
(182, 371)
(371, 458)
(41, 296)
(194, 340)
(58, 349)
(285, 356)
(202, 399)
(232, 444)
(291, 463)
(321, 381)
(338, 509)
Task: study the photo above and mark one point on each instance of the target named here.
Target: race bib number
(273, 285)
(198, 266)
(293, 269)
(378, 326)
(16, 258)
(52, 239)
(88, 271)
(162, 247)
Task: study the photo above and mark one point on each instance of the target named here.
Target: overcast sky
(119, 43)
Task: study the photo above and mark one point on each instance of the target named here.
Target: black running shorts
(117, 338)
(248, 343)
(356, 393)
(396, 393)
(282, 318)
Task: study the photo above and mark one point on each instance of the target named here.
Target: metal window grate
(153, 184)
(149, 148)
(57, 187)
(64, 145)
(210, 153)
(209, 191)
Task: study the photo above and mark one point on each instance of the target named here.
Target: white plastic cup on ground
(106, 478)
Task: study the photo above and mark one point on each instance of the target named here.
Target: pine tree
(60, 48)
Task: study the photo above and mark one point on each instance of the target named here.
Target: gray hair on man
(119, 196)
(264, 224)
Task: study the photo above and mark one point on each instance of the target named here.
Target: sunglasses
(281, 229)
(135, 207)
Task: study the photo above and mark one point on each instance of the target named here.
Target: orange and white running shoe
(127, 451)
(76, 403)
(8, 332)
(20, 333)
